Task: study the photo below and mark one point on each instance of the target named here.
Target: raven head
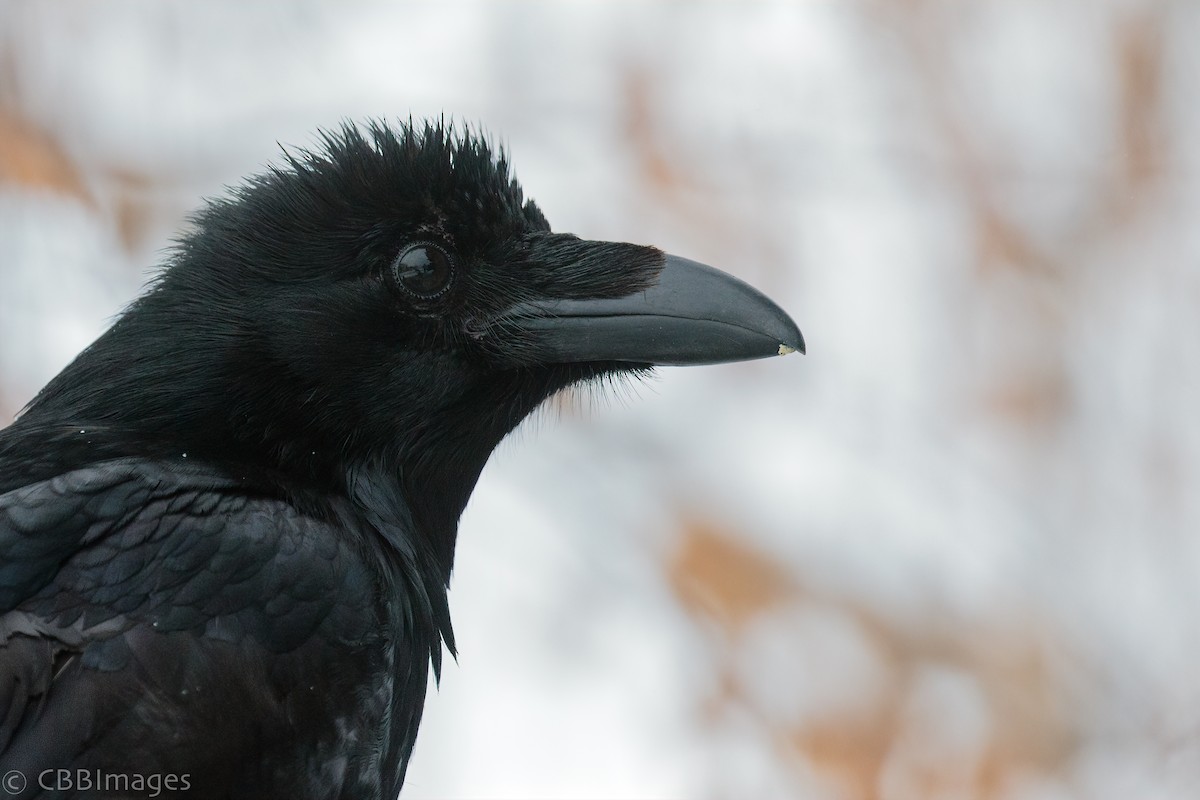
(389, 300)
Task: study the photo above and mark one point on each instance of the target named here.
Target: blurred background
(954, 552)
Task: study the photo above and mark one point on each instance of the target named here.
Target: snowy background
(954, 552)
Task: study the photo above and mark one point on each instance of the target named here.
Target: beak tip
(791, 340)
(785, 349)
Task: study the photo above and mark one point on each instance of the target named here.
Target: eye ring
(423, 270)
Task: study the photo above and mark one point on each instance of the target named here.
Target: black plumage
(227, 528)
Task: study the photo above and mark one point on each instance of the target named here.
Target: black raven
(227, 528)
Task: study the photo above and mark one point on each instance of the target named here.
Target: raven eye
(423, 271)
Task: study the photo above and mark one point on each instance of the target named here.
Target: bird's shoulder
(179, 546)
(139, 589)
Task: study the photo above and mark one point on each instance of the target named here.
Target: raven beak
(694, 314)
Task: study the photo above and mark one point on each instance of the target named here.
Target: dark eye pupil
(424, 270)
